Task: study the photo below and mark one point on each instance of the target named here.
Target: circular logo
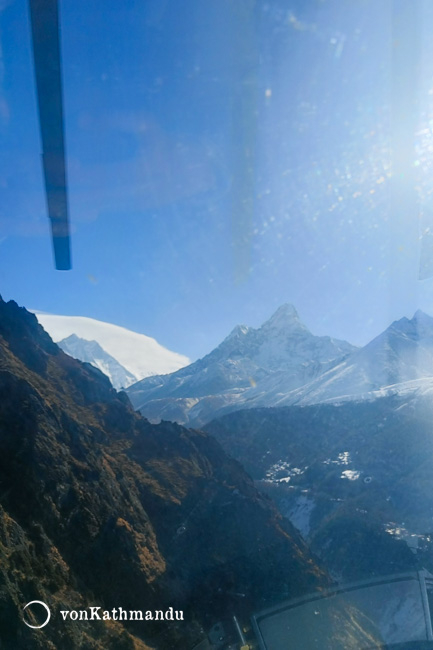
(37, 602)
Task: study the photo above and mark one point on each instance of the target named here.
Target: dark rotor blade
(44, 16)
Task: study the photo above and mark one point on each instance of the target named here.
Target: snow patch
(350, 474)
(282, 467)
(300, 514)
(342, 459)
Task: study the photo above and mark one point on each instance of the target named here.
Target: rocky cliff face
(99, 507)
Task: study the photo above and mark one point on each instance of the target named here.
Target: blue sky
(223, 158)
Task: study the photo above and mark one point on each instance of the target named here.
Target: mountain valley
(352, 477)
(339, 488)
(100, 507)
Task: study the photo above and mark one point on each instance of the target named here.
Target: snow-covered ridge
(398, 361)
(247, 368)
(283, 363)
(139, 354)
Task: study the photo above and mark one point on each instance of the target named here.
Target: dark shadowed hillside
(355, 478)
(99, 507)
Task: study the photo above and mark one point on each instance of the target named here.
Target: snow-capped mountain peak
(421, 324)
(280, 355)
(239, 331)
(285, 319)
(420, 316)
(139, 354)
(92, 352)
(402, 354)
